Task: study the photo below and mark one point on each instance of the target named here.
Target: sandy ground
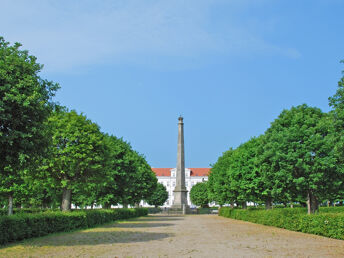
(178, 236)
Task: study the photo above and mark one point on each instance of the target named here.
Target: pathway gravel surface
(178, 236)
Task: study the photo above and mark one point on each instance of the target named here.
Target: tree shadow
(160, 218)
(95, 238)
(139, 225)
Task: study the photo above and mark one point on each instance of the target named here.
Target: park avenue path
(178, 236)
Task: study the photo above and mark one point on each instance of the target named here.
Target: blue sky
(228, 66)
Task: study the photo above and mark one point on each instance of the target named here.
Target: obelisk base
(180, 202)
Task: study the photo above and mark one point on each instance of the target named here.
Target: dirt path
(177, 236)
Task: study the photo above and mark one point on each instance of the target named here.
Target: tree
(337, 117)
(141, 181)
(77, 153)
(301, 155)
(117, 170)
(25, 104)
(199, 194)
(218, 182)
(159, 196)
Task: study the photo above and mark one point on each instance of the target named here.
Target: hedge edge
(23, 226)
(324, 224)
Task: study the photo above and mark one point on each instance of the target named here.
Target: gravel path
(178, 236)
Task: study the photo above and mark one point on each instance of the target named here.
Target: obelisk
(180, 192)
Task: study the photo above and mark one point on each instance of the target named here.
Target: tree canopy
(298, 159)
(25, 104)
(199, 194)
(159, 196)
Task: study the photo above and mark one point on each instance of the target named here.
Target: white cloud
(65, 35)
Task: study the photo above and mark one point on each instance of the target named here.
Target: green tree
(25, 104)
(142, 182)
(199, 194)
(159, 196)
(77, 153)
(301, 155)
(117, 169)
(219, 183)
(337, 116)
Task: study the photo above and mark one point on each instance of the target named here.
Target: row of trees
(50, 156)
(298, 159)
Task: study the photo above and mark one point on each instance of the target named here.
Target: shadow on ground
(139, 225)
(96, 238)
(160, 218)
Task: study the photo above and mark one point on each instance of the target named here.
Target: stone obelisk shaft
(180, 192)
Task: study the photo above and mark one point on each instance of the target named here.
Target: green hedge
(4, 212)
(22, 226)
(324, 223)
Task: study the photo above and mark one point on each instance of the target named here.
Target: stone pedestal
(180, 199)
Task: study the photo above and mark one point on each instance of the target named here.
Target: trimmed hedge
(4, 212)
(22, 226)
(324, 223)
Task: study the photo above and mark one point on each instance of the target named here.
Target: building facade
(167, 177)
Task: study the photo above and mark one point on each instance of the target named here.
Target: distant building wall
(167, 177)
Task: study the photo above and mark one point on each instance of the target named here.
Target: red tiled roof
(194, 171)
(162, 171)
(200, 171)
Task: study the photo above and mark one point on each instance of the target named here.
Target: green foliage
(218, 181)
(25, 104)
(140, 181)
(159, 196)
(3, 212)
(299, 154)
(337, 116)
(22, 226)
(48, 154)
(76, 155)
(206, 210)
(116, 171)
(296, 219)
(199, 194)
(337, 209)
(294, 161)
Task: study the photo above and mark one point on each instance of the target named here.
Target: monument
(180, 192)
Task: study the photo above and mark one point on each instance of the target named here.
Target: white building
(167, 177)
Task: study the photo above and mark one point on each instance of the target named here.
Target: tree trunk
(268, 204)
(328, 203)
(107, 205)
(10, 205)
(125, 205)
(137, 205)
(312, 203)
(303, 204)
(232, 205)
(244, 205)
(66, 199)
